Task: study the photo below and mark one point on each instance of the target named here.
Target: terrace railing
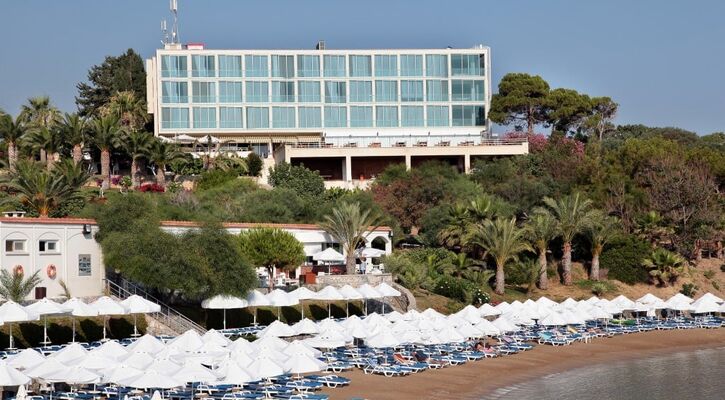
(168, 316)
(405, 141)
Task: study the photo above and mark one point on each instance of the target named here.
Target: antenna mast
(175, 29)
(164, 33)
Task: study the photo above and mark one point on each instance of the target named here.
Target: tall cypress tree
(116, 74)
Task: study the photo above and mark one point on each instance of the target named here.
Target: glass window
(437, 90)
(360, 66)
(386, 116)
(283, 117)
(386, 91)
(411, 65)
(361, 91)
(335, 92)
(203, 92)
(174, 67)
(204, 117)
(436, 65)
(335, 117)
(437, 115)
(361, 117)
(308, 92)
(231, 117)
(334, 66)
(230, 92)
(283, 66)
(15, 246)
(411, 116)
(256, 66)
(257, 117)
(310, 117)
(411, 90)
(230, 66)
(202, 66)
(283, 92)
(386, 65)
(465, 90)
(469, 115)
(174, 92)
(308, 66)
(84, 265)
(468, 64)
(175, 118)
(48, 246)
(257, 92)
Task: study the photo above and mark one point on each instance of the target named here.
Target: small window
(15, 246)
(48, 246)
(84, 265)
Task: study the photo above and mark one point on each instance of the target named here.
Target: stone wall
(352, 280)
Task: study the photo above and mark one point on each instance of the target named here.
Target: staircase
(167, 321)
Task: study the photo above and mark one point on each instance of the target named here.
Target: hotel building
(346, 113)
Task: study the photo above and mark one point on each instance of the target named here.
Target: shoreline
(476, 380)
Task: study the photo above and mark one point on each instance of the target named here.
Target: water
(687, 375)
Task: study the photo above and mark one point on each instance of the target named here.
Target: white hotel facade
(346, 113)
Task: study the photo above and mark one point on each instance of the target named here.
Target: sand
(475, 379)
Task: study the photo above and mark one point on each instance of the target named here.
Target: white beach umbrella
(368, 292)
(137, 360)
(722, 308)
(569, 302)
(648, 298)
(383, 339)
(184, 138)
(9, 376)
(469, 331)
(120, 372)
(187, 341)
(216, 337)
(705, 306)
(235, 374)
(195, 373)
(224, 303)
(350, 293)
(487, 310)
(433, 314)
(136, 304)
(25, 359)
(299, 347)
(329, 255)
(503, 306)
(269, 342)
(504, 325)
(164, 365)
(11, 312)
(303, 364)
(70, 354)
(387, 291)
(263, 368)
(395, 316)
(152, 380)
(545, 301)
(255, 298)
(73, 375)
(79, 309)
(707, 297)
(623, 302)
(301, 294)
(680, 298)
(410, 315)
(592, 300)
(326, 340)
(278, 329)
(50, 366)
(146, 344)
(43, 308)
(450, 335)
(96, 362)
(329, 294)
(305, 327)
(553, 319)
(370, 252)
(279, 298)
(487, 328)
(597, 312)
(241, 345)
(107, 307)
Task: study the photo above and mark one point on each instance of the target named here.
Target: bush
(254, 164)
(689, 289)
(722, 268)
(215, 177)
(452, 288)
(716, 285)
(305, 182)
(151, 187)
(709, 274)
(623, 258)
(479, 297)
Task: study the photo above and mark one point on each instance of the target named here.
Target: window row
(173, 92)
(333, 116)
(19, 246)
(289, 66)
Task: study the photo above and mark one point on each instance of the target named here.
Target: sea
(681, 375)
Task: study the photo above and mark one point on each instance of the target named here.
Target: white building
(64, 249)
(346, 113)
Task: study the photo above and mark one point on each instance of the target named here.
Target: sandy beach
(476, 379)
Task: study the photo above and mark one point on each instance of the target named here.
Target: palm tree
(453, 233)
(573, 214)
(48, 142)
(162, 154)
(350, 225)
(540, 230)
(665, 266)
(74, 130)
(130, 110)
(39, 113)
(14, 286)
(503, 240)
(137, 144)
(485, 207)
(12, 131)
(44, 191)
(106, 136)
(600, 231)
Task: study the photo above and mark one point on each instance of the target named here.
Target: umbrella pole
(347, 309)
(104, 326)
(135, 331)
(329, 310)
(225, 318)
(73, 338)
(11, 336)
(45, 329)
(302, 309)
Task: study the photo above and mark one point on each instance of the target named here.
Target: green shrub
(452, 288)
(215, 177)
(722, 268)
(305, 182)
(254, 164)
(716, 285)
(709, 274)
(689, 289)
(623, 258)
(479, 297)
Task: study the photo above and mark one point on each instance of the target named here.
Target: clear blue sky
(662, 61)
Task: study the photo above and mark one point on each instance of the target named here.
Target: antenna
(164, 33)
(175, 29)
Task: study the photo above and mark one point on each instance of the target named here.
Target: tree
(138, 145)
(600, 231)
(43, 191)
(305, 182)
(128, 108)
(271, 248)
(162, 154)
(453, 233)
(106, 137)
(603, 111)
(47, 142)
(350, 225)
(74, 130)
(540, 230)
(503, 241)
(39, 112)
(521, 100)
(116, 74)
(664, 266)
(566, 109)
(254, 164)
(573, 213)
(14, 286)
(11, 132)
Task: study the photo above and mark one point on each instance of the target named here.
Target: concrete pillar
(408, 164)
(467, 163)
(347, 169)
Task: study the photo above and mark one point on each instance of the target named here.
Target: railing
(405, 141)
(171, 318)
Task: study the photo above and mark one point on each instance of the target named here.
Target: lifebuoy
(18, 270)
(51, 271)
